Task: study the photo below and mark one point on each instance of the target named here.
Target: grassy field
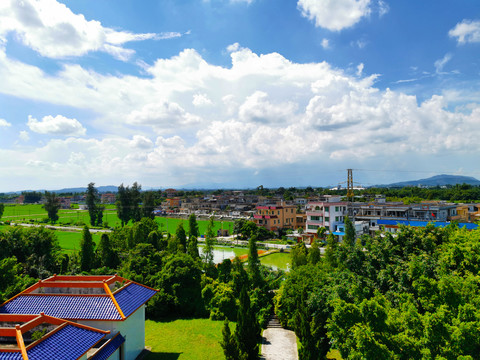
(171, 224)
(192, 339)
(280, 261)
(70, 240)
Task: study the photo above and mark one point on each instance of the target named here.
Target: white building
(328, 213)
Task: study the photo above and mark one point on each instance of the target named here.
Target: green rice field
(26, 213)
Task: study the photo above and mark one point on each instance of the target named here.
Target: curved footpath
(278, 343)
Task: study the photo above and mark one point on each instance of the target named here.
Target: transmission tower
(350, 185)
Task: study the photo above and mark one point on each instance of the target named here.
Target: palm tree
(321, 232)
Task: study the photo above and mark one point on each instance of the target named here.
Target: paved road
(278, 343)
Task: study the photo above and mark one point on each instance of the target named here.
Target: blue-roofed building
(109, 303)
(61, 340)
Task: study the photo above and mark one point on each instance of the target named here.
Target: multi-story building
(329, 212)
(467, 213)
(275, 217)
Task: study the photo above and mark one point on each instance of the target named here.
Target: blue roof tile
(64, 307)
(10, 355)
(132, 296)
(109, 348)
(69, 343)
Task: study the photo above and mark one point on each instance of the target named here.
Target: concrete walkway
(278, 343)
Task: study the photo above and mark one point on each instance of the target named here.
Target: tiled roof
(65, 307)
(109, 348)
(132, 296)
(69, 343)
(10, 356)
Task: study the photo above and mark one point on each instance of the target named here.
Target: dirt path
(278, 343)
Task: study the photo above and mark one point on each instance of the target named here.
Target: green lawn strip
(276, 259)
(192, 339)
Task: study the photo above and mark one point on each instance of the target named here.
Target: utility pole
(350, 194)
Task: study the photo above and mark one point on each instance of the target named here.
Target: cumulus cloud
(53, 30)
(334, 15)
(264, 111)
(4, 123)
(58, 125)
(201, 100)
(163, 114)
(467, 31)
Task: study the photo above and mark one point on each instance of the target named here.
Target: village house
(109, 303)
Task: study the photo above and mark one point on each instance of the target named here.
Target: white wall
(132, 329)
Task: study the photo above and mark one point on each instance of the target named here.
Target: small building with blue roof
(108, 303)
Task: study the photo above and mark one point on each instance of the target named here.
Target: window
(336, 208)
(316, 218)
(317, 207)
(336, 218)
(327, 218)
(313, 227)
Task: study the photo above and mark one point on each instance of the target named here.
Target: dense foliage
(412, 295)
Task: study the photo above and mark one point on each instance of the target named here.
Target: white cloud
(58, 125)
(467, 31)
(24, 136)
(383, 8)
(4, 123)
(325, 43)
(440, 63)
(201, 100)
(53, 30)
(334, 15)
(163, 115)
(264, 111)
(360, 69)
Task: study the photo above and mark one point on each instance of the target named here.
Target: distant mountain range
(437, 180)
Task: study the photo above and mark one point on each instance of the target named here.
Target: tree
(105, 254)
(2, 208)
(350, 233)
(122, 204)
(307, 351)
(135, 200)
(52, 204)
(181, 237)
(254, 263)
(87, 250)
(299, 255)
(148, 205)
(321, 232)
(193, 226)
(209, 240)
(247, 332)
(128, 200)
(192, 247)
(92, 200)
(313, 256)
(229, 345)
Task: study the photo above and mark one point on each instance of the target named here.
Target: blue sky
(237, 93)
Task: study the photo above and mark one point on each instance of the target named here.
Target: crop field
(70, 240)
(26, 213)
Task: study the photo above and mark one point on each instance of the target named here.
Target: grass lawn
(280, 261)
(192, 339)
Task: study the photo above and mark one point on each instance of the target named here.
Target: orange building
(467, 213)
(275, 217)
